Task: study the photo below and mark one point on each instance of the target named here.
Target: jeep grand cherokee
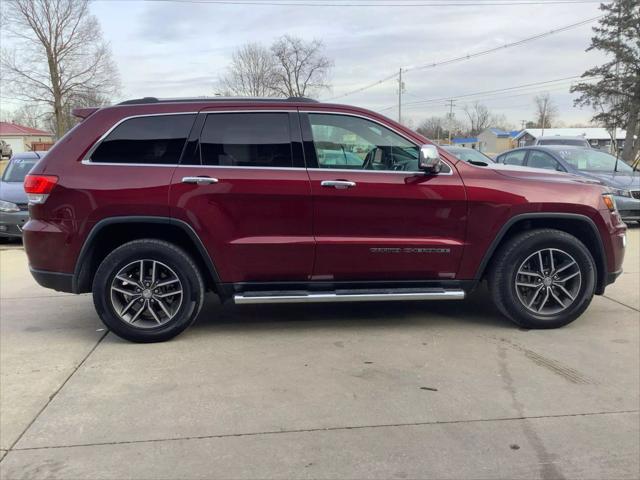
(150, 203)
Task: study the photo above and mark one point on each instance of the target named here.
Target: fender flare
(600, 259)
(99, 226)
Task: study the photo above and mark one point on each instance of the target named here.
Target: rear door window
(156, 139)
(246, 140)
(514, 158)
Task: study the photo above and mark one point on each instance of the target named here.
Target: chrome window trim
(388, 127)
(87, 158)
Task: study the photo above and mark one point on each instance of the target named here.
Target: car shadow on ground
(476, 309)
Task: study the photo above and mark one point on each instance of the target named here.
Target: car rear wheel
(148, 291)
(543, 278)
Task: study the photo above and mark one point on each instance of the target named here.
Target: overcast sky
(170, 49)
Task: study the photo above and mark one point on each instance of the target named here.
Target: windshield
(594, 161)
(568, 142)
(18, 169)
(469, 154)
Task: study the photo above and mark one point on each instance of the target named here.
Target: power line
(469, 56)
(436, 3)
(498, 90)
(492, 94)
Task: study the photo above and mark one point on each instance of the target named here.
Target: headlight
(620, 192)
(609, 201)
(8, 207)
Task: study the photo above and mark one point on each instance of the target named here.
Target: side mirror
(429, 160)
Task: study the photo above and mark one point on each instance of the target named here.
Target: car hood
(626, 181)
(12, 192)
(526, 173)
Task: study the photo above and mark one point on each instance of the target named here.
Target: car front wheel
(148, 291)
(543, 278)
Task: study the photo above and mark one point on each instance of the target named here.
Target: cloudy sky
(179, 48)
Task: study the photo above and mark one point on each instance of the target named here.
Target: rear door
(243, 187)
(376, 216)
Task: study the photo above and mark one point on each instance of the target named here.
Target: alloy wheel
(548, 281)
(146, 293)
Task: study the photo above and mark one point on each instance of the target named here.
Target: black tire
(509, 259)
(166, 254)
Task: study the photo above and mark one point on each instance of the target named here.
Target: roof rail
(146, 100)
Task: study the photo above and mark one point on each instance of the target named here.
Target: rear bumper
(62, 282)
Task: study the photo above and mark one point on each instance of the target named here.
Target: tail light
(38, 187)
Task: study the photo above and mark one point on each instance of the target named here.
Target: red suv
(150, 203)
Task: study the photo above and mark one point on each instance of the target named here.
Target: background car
(560, 140)
(5, 150)
(13, 200)
(623, 180)
(469, 154)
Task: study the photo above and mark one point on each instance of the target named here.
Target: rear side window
(246, 140)
(514, 158)
(146, 140)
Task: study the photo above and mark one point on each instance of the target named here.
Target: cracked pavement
(394, 390)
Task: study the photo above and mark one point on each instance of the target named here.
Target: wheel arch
(580, 226)
(109, 233)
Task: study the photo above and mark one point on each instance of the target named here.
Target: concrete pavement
(397, 390)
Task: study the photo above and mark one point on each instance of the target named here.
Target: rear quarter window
(157, 139)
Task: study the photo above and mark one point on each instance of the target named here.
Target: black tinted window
(154, 139)
(246, 140)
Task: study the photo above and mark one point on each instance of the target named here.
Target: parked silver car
(13, 200)
(622, 180)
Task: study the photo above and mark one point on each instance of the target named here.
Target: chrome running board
(330, 297)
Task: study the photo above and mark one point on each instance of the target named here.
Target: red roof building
(13, 130)
(18, 139)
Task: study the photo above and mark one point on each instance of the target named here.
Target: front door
(376, 216)
(243, 187)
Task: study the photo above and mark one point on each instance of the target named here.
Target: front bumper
(11, 223)
(612, 276)
(628, 207)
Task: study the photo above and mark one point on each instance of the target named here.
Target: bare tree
(252, 72)
(436, 128)
(545, 110)
(479, 117)
(59, 56)
(432, 127)
(302, 69)
(30, 115)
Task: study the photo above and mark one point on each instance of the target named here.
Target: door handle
(200, 180)
(339, 184)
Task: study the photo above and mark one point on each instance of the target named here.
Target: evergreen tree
(615, 96)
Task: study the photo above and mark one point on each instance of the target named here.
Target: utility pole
(524, 124)
(400, 87)
(451, 105)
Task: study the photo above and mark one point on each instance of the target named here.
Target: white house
(25, 139)
(598, 137)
